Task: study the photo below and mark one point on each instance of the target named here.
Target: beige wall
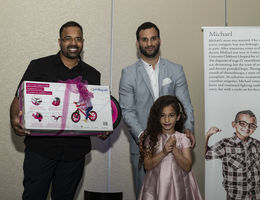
(29, 29)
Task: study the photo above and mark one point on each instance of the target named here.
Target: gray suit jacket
(136, 95)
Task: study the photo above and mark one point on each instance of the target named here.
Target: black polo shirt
(51, 69)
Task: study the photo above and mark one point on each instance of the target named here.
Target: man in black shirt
(58, 160)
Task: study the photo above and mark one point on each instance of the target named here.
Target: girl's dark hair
(154, 127)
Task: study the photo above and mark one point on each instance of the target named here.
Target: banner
(231, 84)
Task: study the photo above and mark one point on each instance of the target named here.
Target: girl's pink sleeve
(183, 141)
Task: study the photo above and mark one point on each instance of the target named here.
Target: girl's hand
(213, 130)
(169, 145)
(173, 140)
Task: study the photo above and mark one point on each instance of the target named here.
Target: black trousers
(40, 172)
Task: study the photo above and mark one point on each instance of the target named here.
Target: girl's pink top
(167, 181)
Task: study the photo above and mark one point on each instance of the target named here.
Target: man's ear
(137, 44)
(233, 124)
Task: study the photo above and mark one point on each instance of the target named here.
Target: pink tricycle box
(65, 108)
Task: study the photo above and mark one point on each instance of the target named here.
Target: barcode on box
(105, 123)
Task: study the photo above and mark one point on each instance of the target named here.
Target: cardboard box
(54, 109)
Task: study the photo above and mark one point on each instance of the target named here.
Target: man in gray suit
(142, 83)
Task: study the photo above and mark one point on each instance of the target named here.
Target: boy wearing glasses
(240, 156)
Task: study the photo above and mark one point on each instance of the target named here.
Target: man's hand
(105, 136)
(15, 116)
(190, 135)
(17, 126)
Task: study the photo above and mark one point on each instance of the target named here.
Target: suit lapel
(162, 75)
(145, 76)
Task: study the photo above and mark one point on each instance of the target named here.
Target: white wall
(29, 30)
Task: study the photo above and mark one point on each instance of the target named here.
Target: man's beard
(146, 54)
(70, 55)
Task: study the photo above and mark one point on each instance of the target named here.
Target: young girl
(165, 153)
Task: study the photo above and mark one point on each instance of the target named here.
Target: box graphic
(65, 108)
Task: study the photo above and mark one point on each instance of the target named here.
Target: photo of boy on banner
(240, 157)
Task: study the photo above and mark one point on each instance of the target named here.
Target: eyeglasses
(70, 39)
(245, 124)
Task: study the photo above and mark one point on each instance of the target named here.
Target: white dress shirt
(153, 75)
